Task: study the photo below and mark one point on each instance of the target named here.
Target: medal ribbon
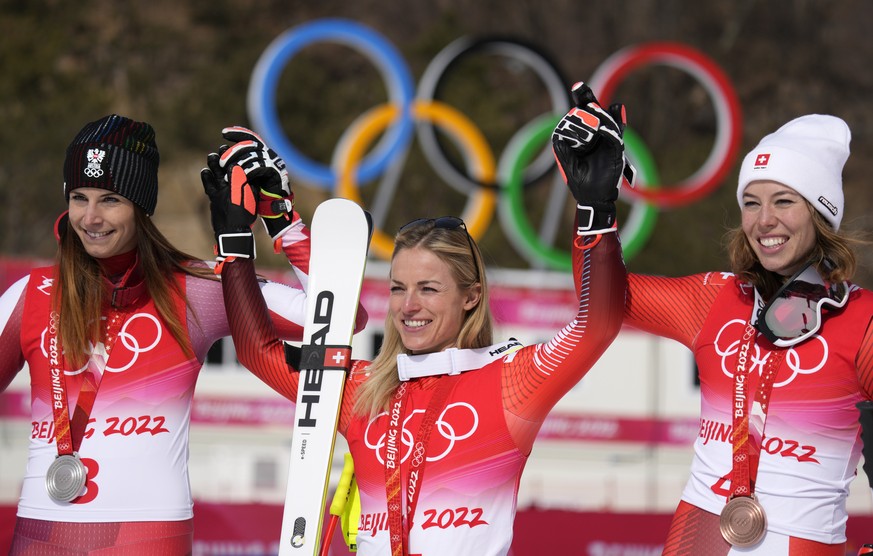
(60, 410)
(749, 418)
(70, 432)
(399, 522)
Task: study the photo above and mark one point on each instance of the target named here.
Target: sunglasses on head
(446, 223)
(797, 309)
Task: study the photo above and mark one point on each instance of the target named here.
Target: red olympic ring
(727, 107)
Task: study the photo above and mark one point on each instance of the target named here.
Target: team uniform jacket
(483, 433)
(136, 442)
(810, 449)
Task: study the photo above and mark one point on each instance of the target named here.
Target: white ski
(340, 238)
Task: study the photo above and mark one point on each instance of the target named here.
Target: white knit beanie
(807, 154)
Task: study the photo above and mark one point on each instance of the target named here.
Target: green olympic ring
(635, 232)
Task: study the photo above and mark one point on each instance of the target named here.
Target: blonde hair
(79, 294)
(835, 247)
(454, 247)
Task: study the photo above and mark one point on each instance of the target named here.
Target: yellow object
(346, 503)
(363, 131)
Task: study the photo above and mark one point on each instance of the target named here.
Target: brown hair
(460, 253)
(837, 247)
(79, 295)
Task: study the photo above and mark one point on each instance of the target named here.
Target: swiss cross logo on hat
(762, 160)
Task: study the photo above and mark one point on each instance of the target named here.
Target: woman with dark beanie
(114, 335)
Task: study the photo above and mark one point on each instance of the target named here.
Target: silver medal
(65, 478)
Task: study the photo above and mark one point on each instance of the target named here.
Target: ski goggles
(446, 223)
(797, 309)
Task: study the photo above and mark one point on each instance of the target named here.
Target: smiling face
(777, 222)
(103, 220)
(426, 303)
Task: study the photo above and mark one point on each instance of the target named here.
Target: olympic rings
(480, 207)
(265, 78)
(131, 342)
(634, 232)
(727, 110)
(516, 168)
(527, 54)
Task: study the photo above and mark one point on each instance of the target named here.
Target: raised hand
(266, 171)
(589, 148)
(233, 205)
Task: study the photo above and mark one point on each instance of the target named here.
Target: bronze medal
(743, 522)
(65, 478)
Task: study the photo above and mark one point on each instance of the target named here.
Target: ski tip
(342, 210)
(338, 202)
(347, 219)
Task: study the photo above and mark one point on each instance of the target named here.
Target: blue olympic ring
(265, 79)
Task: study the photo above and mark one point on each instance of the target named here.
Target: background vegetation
(185, 67)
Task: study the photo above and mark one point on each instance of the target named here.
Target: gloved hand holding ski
(589, 148)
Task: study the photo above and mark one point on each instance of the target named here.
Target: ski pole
(337, 505)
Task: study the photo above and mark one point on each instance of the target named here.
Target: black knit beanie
(118, 154)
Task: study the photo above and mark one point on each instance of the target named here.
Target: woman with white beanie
(784, 348)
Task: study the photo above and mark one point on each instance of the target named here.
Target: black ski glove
(589, 148)
(266, 171)
(233, 204)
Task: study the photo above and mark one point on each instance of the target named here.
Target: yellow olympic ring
(480, 208)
